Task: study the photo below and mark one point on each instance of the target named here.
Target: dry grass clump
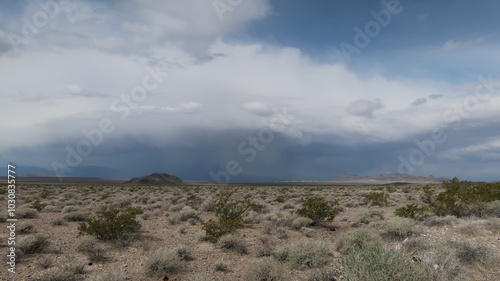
(26, 213)
(90, 246)
(374, 263)
(33, 244)
(266, 269)
(399, 228)
(354, 239)
(300, 222)
(233, 242)
(308, 254)
(442, 264)
(439, 221)
(75, 216)
(162, 262)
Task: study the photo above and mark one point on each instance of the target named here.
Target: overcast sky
(250, 89)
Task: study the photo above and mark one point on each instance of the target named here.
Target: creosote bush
(112, 224)
(318, 209)
(376, 199)
(412, 211)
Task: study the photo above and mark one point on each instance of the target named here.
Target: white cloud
(452, 45)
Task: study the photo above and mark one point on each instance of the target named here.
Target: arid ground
(274, 242)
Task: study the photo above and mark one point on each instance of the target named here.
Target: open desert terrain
(246, 232)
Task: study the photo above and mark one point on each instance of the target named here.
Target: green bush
(112, 224)
(374, 263)
(227, 207)
(376, 199)
(318, 209)
(217, 228)
(355, 239)
(464, 198)
(38, 206)
(412, 211)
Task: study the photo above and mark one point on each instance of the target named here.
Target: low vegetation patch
(112, 224)
(318, 209)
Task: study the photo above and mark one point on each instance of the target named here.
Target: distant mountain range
(388, 178)
(156, 179)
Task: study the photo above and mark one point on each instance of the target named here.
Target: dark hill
(156, 179)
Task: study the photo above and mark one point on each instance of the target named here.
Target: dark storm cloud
(365, 108)
(419, 101)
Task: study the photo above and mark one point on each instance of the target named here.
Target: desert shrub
(399, 228)
(324, 274)
(112, 224)
(44, 262)
(355, 239)
(51, 209)
(188, 213)
(281, 233)
(110, 276)
(318, 209)
(416, 244)
(214, 229)
(221, 266)
(161, 263)
(26, 213)
(308, 232)
(58, 222)
(233, 242)
(308, 254)
(75, 216)
(442, 264)
(184, 252)
(89, 246)
(266, 269)
(281, 254)
(376, 199)
(75, 266)
(3, 217)
(469, 254)
(58, 274)
(374, 263)
(439, 221)
(412, 211)
(493, 208)
(69, 209)
(370, 216)
(464, 198)
(37, 205)
(201, 235)
(227, 207)
(33, 244)
(300, 222)
(25, 227)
